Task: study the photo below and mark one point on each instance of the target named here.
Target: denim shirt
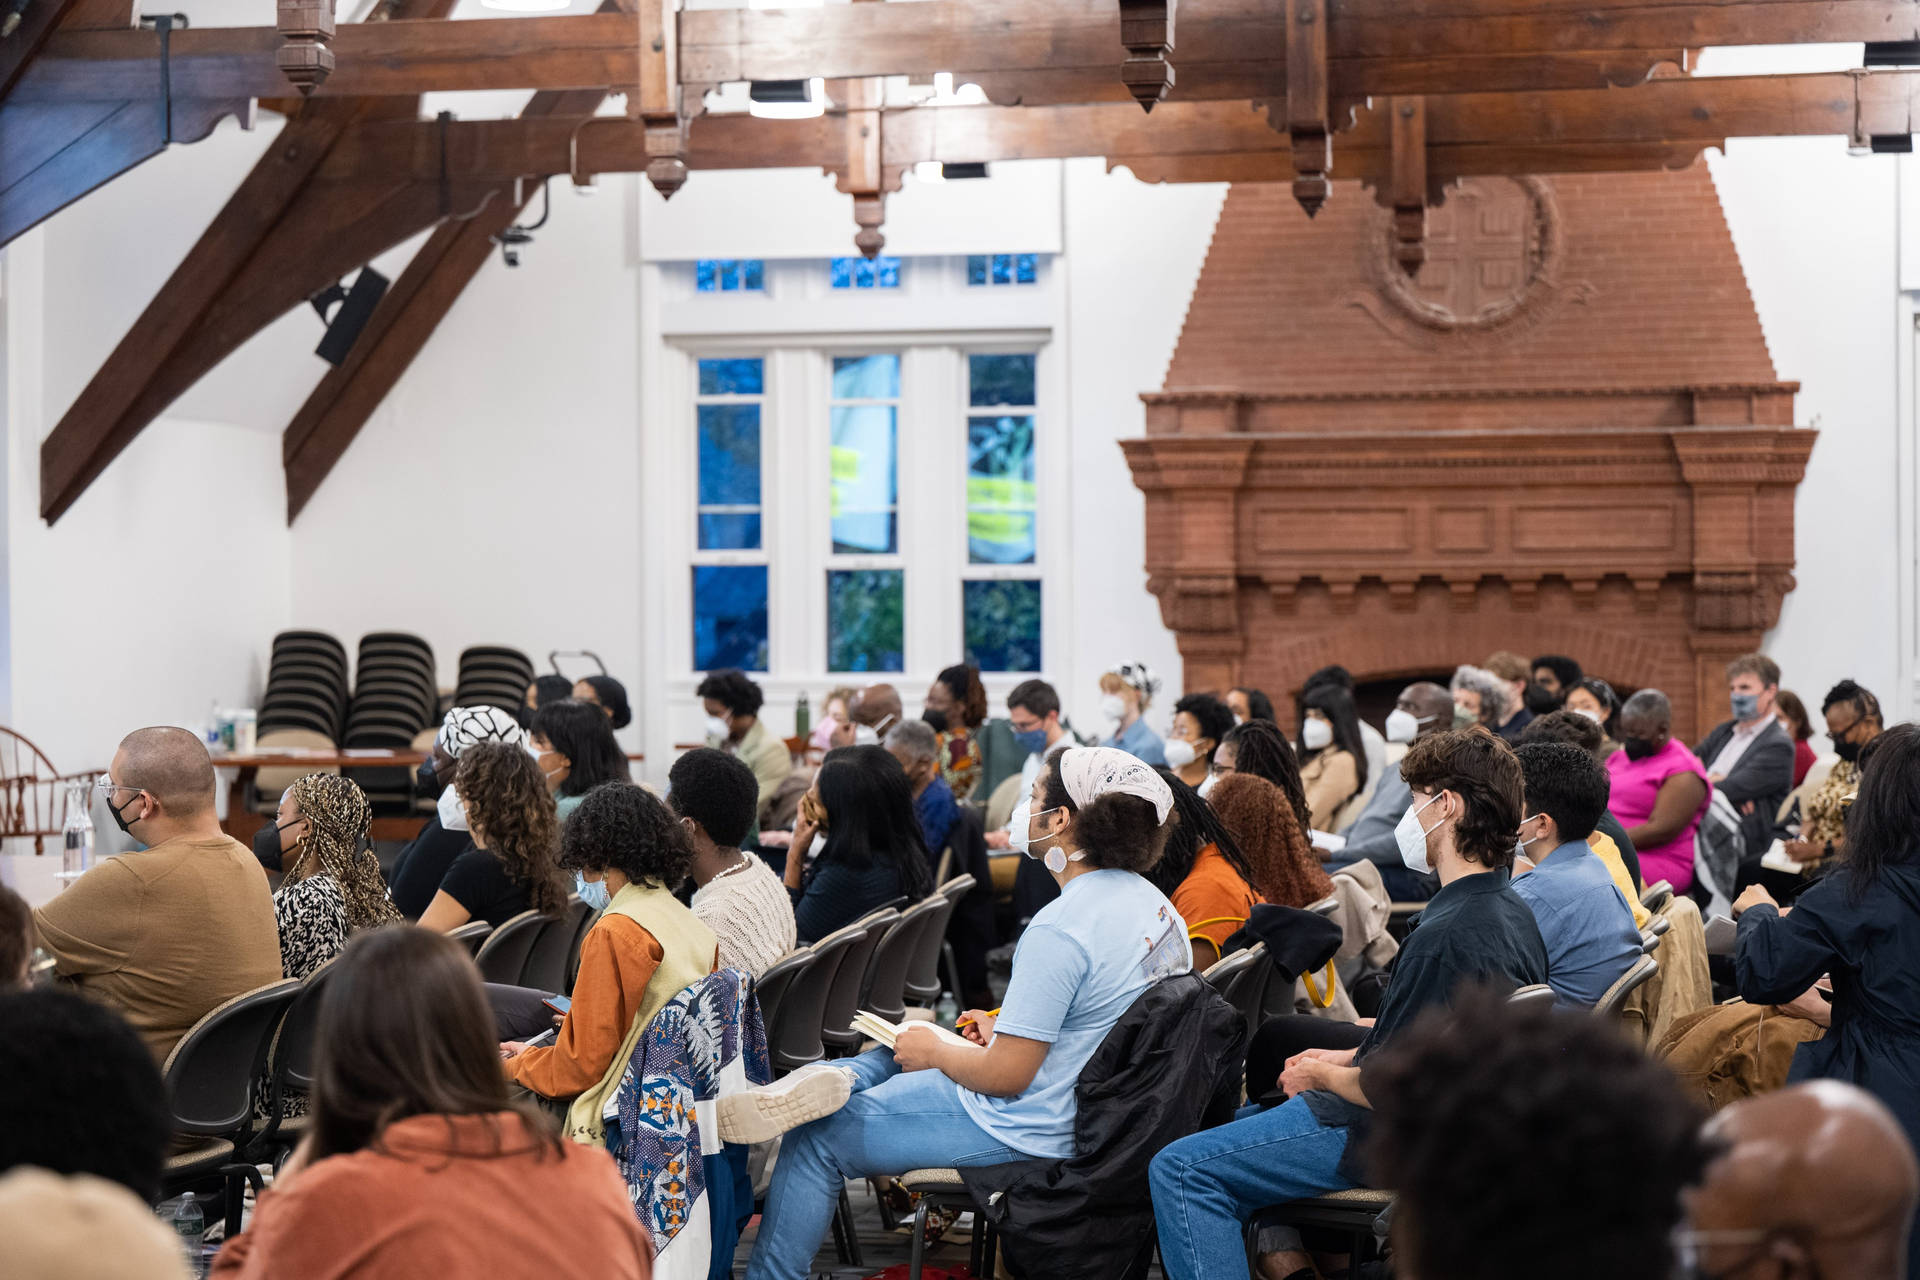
(1589, 931)
(1140, 742)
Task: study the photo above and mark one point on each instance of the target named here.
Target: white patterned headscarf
(1139, 677)
(1091, 772)
(466, 726)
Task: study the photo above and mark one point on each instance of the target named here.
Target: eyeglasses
(107, 786)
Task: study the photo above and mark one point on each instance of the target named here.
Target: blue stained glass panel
(887, 273)
(729, 617)
(1003, 268)
(841, 273)
(753, 274)
(1000, 379)
(1025, 268)
(729, 455)
(866, 377)
(729, 531)
(739, 377)
(1001, 495)
(977, 268)
(729, 275)
(863, 273)
(1001, 628)
(866, 620)
(706, 275)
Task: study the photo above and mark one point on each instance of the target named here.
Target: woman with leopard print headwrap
(333, 885)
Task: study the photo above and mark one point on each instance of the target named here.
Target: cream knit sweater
(750, 912)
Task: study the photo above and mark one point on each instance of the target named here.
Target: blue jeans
(1206, 1186)
(893, 1123)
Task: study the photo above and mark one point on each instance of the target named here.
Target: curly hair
(628, 829)
(734, 691)
(963, 682)
(1212, 715)
(1462, 1098)
(1195, 826)
(1496, 700)
(1261, 749)
(1864, 704)
(507, 802)
(1480, 769)
(1117, 831)
(717, 791)
(337, 816)
(1285, 870)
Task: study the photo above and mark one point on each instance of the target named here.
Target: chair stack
(493, 676)
(395, 699)
(306, 685)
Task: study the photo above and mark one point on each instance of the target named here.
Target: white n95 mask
(1180, 753)
(1412, 839)
(453, 814)
(1315, 734)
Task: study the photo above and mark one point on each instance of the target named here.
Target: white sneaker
(757, 1115)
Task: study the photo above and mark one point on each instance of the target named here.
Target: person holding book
(1097, 817)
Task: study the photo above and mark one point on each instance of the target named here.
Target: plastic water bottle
(191, 1226)
(79, 833)
(802, 715)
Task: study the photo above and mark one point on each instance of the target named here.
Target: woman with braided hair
(333, 884)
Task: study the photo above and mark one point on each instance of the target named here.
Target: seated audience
(83, 1228)
(1333, 759)
(871, 852)
(1660, 790)
(165, 933)
(1793, 716)
(551, 687)
(424, 860)
(733, 703)
(1422, 710)
(833, 714)
(16, 940)
(914, 745)
(1609, 839)
(1595, 699)
(503, 802)
(1750, 757)
(417, 1164)
(1810, 1181)
(1606, 1140)
(874, 710)
(956, 709)
(1853, 721)
(1376, 745)
(607, 694)
(1033, 713)
(1200, 720)
(82, 1094)
(643, 950)
(333, 882)
(1249, 704)
(1587, 926)
(1480, 697)
(1098, 818)
(1202, 872)
(1258, 747)
(1286, 871)
(1466, 789)
(1512, 670)
(1556, 674)
(1126, 692)
(573, 744)
(737, 895)
(1860, 926)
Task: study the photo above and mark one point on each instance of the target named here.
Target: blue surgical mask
(1746, 706)
(1033, 741)
(592, 892)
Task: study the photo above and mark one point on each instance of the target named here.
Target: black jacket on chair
(1170, 1067)
(1761, 776)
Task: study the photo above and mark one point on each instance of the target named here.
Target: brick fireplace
(1564, 436)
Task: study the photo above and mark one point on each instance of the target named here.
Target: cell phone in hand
(559, 1004)
(545, 1037)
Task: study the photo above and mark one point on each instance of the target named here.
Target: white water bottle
(191, 1226)
(78, 855)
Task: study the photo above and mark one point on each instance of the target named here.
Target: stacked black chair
(306, 685)
(395, 698)
(493, 676)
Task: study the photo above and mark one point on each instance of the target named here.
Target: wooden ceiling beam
(18, 47)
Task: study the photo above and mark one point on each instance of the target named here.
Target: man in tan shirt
(167, 934)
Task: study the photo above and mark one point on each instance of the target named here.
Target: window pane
(753, 274)
(841, 270)
(867, 377)
(730, 377)
(729, 455)
(1002, 629)
(864, 488)
(706, 275)
(729, 531)
(729, 275)
(977, 269)
(887, 273)
(1000, 379)
(863, 273)
(1025, 269)
(1001, 495)
(866, 620)
(729, 617)
(1003, 268)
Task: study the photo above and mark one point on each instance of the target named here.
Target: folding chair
(503, 956)
(850, 981)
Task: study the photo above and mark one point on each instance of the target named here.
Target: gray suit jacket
(1371, 835)
(1762, 776)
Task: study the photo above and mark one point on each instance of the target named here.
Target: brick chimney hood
(1565, 435)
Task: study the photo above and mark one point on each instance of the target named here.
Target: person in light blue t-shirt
(1004, 1089)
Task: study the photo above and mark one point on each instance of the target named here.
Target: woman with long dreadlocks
(333, 885)
(1203, 873)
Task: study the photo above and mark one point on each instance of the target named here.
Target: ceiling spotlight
(514, 237)
(787, 99)
(961, 172)
(351, 310)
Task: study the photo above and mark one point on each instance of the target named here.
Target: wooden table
(242, 822)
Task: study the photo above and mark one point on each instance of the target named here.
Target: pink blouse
(1635, 784)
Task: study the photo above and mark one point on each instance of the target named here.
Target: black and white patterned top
(313, 924)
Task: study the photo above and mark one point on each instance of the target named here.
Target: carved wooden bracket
(865, 175)
(1407, 145)
(656, 100)
(1146, 29)
(1308, 120)
(305, 27)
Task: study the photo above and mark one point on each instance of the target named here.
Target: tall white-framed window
(1001, 592)
(866, 571)
(729, 582)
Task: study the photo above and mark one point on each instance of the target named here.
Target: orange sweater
(447, 1196)
(1213, 892)
(618, 958)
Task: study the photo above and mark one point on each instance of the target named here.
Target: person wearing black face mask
(1853, 720)
(1659, 791)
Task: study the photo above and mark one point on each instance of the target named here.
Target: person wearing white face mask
(1096, 818)
(732, 704)
(500, 797)
(1423, 709)
(1333, 760)
(1126, 692)
(1200, 721)
(424, 860)
(1466, 787)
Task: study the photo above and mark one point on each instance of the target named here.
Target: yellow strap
(1313, 992)
(1193, 930)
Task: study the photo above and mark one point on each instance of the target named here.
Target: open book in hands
(876, 1028)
